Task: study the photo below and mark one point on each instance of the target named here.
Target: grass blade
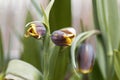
(1, 52)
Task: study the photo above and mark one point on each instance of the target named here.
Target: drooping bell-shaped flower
(85, 58)
(35, 29)
(63, 37)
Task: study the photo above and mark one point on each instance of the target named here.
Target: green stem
(45, 52)
(46, 56)
(109, 59)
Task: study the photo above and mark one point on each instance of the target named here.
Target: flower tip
(84, 71)
(70, 29)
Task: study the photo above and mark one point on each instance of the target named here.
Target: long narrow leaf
(113, 22)
(101, 59)
(1, 52)
(107, 19)
(116, 64)
(60, 15)
(47, 11)
(59, 63)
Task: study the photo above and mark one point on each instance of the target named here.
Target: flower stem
(45, 53)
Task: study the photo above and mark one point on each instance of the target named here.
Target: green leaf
(32, 52)
(58, 63)
(100, 55)
(74, 77)
(48, 9)
(113, 22)
(107, 22)
(115, 77)
(23, 70)
(1, 76)
(96, 73)
(116, 64)
(101, 49)
(1, 52)
(60, 15)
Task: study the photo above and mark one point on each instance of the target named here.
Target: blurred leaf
(106, 21)
(32, 52)
(23, 70)
(29, 17)
(1, 76)
(74, 77)
(113, 21)
(101, 58)
(58, 63)
(1, 52)
(37, 7)
(117, 62)
(101, 22)
(60, 15)
(115, 77)
(101, 47)
(96, 73)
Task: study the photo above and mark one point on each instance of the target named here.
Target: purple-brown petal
(85, 58)
(63, 37)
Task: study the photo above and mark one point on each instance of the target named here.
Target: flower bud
(85, 58)
(63, 37)
(35, 29)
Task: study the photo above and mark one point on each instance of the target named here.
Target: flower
(63, 37)
(35, 29)
(85, 58)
